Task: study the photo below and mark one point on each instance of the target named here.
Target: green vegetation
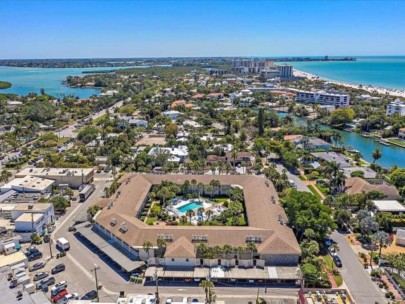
(5, 85)
(314, 192)
(331, 267)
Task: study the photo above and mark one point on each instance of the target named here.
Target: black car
(58, 268)
(338, 261)
(46, 238)
(45, 282)
(35, 256)
(91, 295)
(30, 251)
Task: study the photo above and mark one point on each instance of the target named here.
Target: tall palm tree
(234, 155)
(190, 214)
(209, 294)
(161, 243)
(193, 184)
(147, 246)
(208, 215)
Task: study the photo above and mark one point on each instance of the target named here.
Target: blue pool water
(189, 206)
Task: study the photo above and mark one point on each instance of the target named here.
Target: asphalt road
(299, 183)
(363, 290)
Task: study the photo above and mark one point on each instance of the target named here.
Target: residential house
(356, 185)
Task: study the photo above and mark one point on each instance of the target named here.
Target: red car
(59, 296)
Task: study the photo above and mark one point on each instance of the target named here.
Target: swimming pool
(190, 206)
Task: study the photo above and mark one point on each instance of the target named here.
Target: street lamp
(95, 268)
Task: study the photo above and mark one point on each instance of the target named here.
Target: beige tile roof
(355, 185)
(181, 248)
(262, 215)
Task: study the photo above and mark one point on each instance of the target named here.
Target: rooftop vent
(30, 206)
(123, 227)
(254, 239)
(166, 237)
(113, 221)
(199, 238)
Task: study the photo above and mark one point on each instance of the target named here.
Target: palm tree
(228, 167)
(5, 176)
(234, 155)
(147, 246)
(377, 154)
(193, 184)
(200, 189)
(161, 243)
(208, 215)
(200, 210)
(209, 294)
(190, 214)
(209, 189)
(183, 219)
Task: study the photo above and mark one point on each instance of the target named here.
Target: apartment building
(396, 106)
(324, 98)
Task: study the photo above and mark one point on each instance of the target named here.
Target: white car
(169, 301)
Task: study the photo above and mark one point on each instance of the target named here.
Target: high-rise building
(323, 98)
(286, 70)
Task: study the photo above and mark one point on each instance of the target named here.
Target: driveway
(363, 290)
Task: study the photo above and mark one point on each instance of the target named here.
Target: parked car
(40, 275)
(36, 266)
(31, 250)
(58, 287)
(91, 295)
(59, 296)
(45, 282)
(72, 229)
(169, 301)
(338, 261)
(46, 238)
(35, 256)
(58, 268)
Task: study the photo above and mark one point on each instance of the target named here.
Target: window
(172, 260)
(187, 260)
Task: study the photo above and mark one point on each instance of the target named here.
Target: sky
(148, 28)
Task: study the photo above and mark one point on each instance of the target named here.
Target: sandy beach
(369, 88)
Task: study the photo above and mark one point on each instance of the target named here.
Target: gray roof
(343, 161)
(8, 295)
(388, 206)
(400, 234)
(106, 246)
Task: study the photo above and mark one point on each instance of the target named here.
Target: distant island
(147, 62)
(5, 85)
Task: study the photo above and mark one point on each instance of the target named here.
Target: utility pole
(157, 286)
(50, 246)
(95, 275)
(257, 297)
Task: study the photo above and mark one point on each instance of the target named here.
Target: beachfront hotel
(120, 232)
(323, 98)
(397, 106)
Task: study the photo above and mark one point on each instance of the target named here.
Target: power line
(95, 268)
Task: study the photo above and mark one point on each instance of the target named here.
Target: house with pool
(260, 249)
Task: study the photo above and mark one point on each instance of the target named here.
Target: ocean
(31, 80)
(381, 71)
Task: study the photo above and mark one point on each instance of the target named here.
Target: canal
(391, 155)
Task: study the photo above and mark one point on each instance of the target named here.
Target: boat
(385, 143)
(368, 135)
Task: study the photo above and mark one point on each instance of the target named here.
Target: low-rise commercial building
(74, 177)
(44, 209)
(29, 184)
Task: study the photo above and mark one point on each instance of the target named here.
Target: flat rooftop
(32, 207)
(54, 172)
(388, 206)
(266, 219)
(30, 183)
(28, 217)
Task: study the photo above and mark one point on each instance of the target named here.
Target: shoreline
(369, 88)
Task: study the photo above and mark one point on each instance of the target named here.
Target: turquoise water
(189, 206)
(391, 155)
(388, 72)
(31, 80)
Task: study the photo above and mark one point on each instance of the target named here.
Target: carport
(128, 264)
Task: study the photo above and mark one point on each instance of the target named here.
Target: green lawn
(151, 220)
(399, 279)
(323, 189)
(156, 208)
(95, 121)
(4, 85)
(331, 266)
(314, 192)
(397, 141)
